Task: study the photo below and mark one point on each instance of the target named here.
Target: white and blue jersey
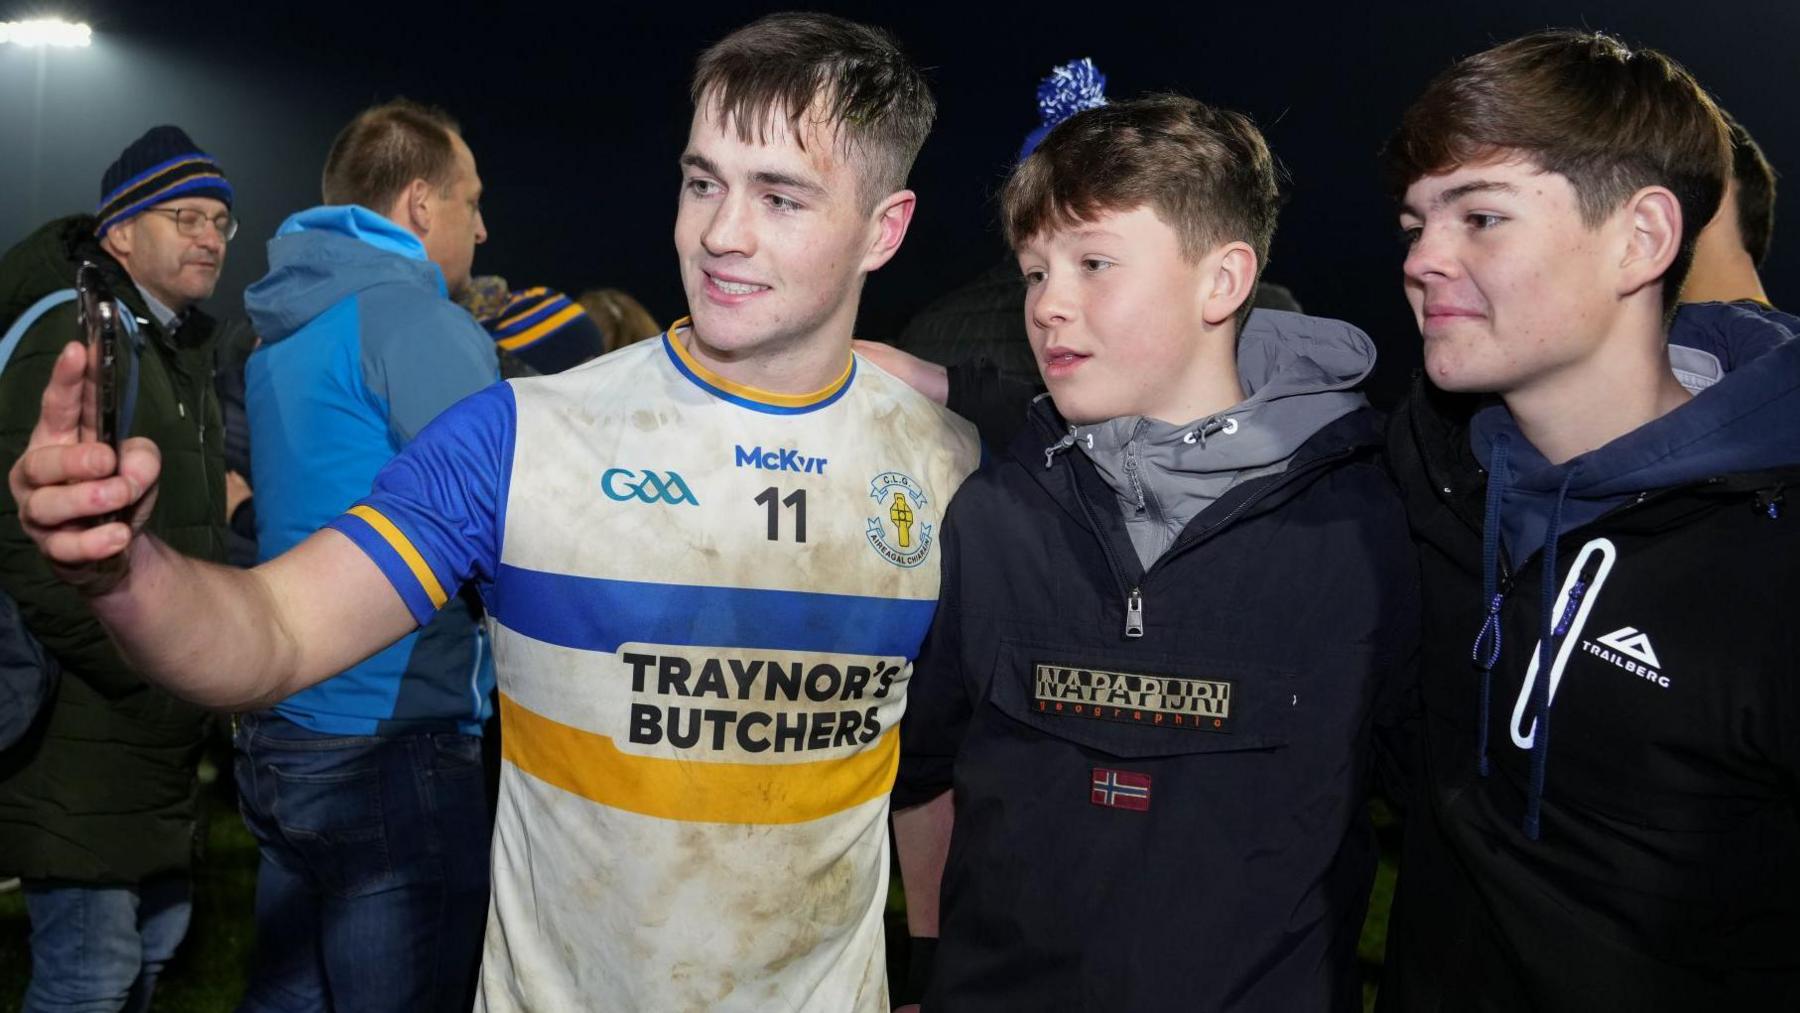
(705, 601)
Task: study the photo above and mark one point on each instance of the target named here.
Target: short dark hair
(1610, 119)
(833, 72)
(1206, 172)
(384, 149)
(1755, 179)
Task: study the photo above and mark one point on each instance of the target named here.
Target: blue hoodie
(1745, 417)
(1743, 365)
(361, 347)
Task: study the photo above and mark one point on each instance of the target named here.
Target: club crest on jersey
(897, 531)
(647, 486)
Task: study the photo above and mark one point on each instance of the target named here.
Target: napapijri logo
(1631, 652)
(779, 459)
(1134, 698)
(646, 487)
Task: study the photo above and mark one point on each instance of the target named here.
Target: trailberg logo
(1629, 650)
(623, 484)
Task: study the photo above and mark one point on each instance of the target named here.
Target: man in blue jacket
(366, 792)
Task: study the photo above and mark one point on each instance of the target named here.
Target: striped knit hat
(160, 166)
(546, 330)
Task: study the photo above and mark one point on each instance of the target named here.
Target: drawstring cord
(1485, 660)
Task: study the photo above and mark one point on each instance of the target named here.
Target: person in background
(1735, 243)
(622, 318)
(98, 802)
(539, 331)
(366, 792)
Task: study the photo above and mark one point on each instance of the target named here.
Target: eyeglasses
(193, 221)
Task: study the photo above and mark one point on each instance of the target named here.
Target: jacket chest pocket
(1139, 704)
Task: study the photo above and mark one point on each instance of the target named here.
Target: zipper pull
(1134, 614)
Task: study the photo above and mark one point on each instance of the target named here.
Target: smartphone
(103, 392)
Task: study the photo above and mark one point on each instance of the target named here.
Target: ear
(117, 241)
(1653, 218)
(1233, 276)
(414, 209)
(891, 218)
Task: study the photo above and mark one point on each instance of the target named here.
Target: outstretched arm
(224, 638)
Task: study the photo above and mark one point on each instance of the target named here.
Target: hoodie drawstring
(1490, 593)
(1063, 444)
(1547, 629)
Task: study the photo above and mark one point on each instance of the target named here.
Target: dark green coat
(103, 790)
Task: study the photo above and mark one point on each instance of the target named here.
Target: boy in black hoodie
(1163, 615)
(1606, 814)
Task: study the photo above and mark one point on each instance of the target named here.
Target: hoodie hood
(323, 255)
(1744, 367)
(1298, 372)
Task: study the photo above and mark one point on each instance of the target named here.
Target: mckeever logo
(779, 459)
(1629, 649)
(646, 487)
(1163, 700)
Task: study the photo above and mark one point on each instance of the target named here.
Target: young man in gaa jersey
(708, 559)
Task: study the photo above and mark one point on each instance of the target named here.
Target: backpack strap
(37, 309)
(134, 341)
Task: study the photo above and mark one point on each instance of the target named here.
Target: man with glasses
(366, 792)
(97, 801)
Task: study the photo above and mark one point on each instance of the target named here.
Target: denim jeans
(96, 949)
(373, 886)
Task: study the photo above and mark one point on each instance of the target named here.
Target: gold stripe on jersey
(588, 764)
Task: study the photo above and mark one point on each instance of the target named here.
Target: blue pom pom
(1069, 89)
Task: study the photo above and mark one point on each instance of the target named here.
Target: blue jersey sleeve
(435, 517)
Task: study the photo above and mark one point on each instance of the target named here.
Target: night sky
(576, 119)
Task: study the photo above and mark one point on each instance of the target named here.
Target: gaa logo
(623, 484)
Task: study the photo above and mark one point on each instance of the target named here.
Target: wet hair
(850, 80)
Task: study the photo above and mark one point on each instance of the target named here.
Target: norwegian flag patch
(1120, 789)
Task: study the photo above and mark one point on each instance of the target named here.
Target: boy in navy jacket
(1134, 751)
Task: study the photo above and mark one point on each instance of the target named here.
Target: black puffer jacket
(103, 790)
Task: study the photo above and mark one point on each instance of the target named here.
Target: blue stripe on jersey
(595, 614)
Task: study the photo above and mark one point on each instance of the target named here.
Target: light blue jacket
(361, 347)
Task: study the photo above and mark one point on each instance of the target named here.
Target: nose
(729, 229)
(1050, 303)
(1431, 256)
(480, 228)
(211, 237)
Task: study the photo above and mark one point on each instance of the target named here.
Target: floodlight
(45, 32)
